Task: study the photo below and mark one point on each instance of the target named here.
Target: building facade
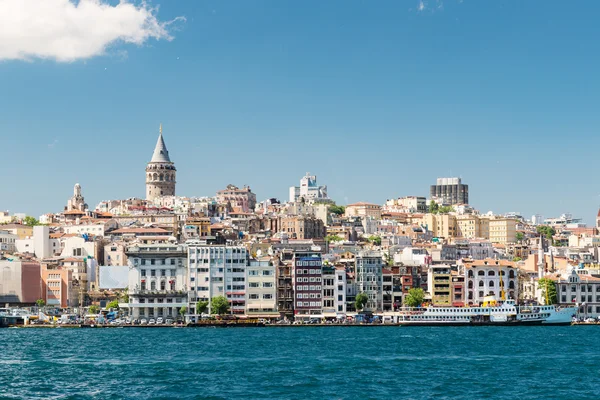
(157, 279)
(307, 281)
(490, 277)
(217, 270)
(261, 295)
(449, 191)
(369, 279)
(308, 190)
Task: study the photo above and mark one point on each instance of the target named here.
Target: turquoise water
(301, 363)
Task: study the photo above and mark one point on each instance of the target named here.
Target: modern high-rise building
(308, 190)
(450, 191)
(160, 172)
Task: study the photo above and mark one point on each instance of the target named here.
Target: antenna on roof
(160, 128)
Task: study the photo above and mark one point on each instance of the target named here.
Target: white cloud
(66, 31)
(421, 5)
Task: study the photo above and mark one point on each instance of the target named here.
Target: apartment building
(307, 279)
(261, 293)
(369, 279)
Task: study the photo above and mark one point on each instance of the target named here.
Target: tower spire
(161, 154)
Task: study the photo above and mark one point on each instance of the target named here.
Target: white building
(217, 270)
(7, 241)
(40, 244)
(482, 278)
(412, 256)
(261, 294)
(157, 279)
(308, 189)
(581, 289)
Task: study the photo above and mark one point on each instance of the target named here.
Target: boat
(491, 312)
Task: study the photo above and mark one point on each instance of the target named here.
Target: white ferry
(490, 313)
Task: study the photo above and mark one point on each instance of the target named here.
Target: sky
(378, 99)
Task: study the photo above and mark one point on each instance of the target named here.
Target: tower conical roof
(161, 154)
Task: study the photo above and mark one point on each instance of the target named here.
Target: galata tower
(160, 172)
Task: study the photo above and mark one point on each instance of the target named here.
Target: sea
(536, 362)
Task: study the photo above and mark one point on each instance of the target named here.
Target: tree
(30, 221)
(519, 237)
(201, 307)
(516, 259)
(376, 240)
(338, 210)
(433, 207)
(415, 297)
(182, 311)
(547, 231)
(333, 238)
(361, 301)
(113, 304)
(94, 309)
(40, 303)
(548, 288)
(219, 305)
(445, 209)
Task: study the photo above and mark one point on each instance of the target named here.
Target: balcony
(157, 293)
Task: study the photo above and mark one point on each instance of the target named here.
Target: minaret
(160, 172)
(541, 263)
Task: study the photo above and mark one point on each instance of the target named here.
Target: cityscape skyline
(378, 102)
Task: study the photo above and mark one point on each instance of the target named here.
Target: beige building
(301, 226)
(441, 225)
(363, 209)
(261, 294)
(114, 254)
(502, 230)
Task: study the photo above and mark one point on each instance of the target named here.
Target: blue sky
(377, 99)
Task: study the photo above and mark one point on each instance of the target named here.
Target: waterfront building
(457, 288)
(261, 294)
(57, 286)
(308, 190)
(307, 282)
(439, 284)
(217, 270)
(20, 282)
(157, 279)
(363, 209)
(387, 289)
(482, 278)
(161, 174)
(369, 279)
(449, 191)
(578, 288)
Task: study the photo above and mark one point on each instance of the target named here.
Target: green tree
(445, 209)
(547, 231)
(548, 287)
(94, 309)
(519, 237)
(182, 311)
(219, 305)
(333, 238)
(376, 240)
(30, 221)
(516, 259)
(415, 297)
(40, 303)
(201, 307)
(433, 207)
(338, 210)
(361, 301)
(113, 304)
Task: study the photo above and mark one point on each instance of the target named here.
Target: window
(253, 284)
(143, 272)
(152, 272)
(267, 273)
(267, 296)
(252, 273)
(172, 261)
(163, 272)
(172, 272)
(253, 297)
(162, 285)
(267, 284)
(152, 285)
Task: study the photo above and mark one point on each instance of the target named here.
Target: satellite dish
(258, 252)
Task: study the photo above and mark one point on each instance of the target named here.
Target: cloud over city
(66, 31)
